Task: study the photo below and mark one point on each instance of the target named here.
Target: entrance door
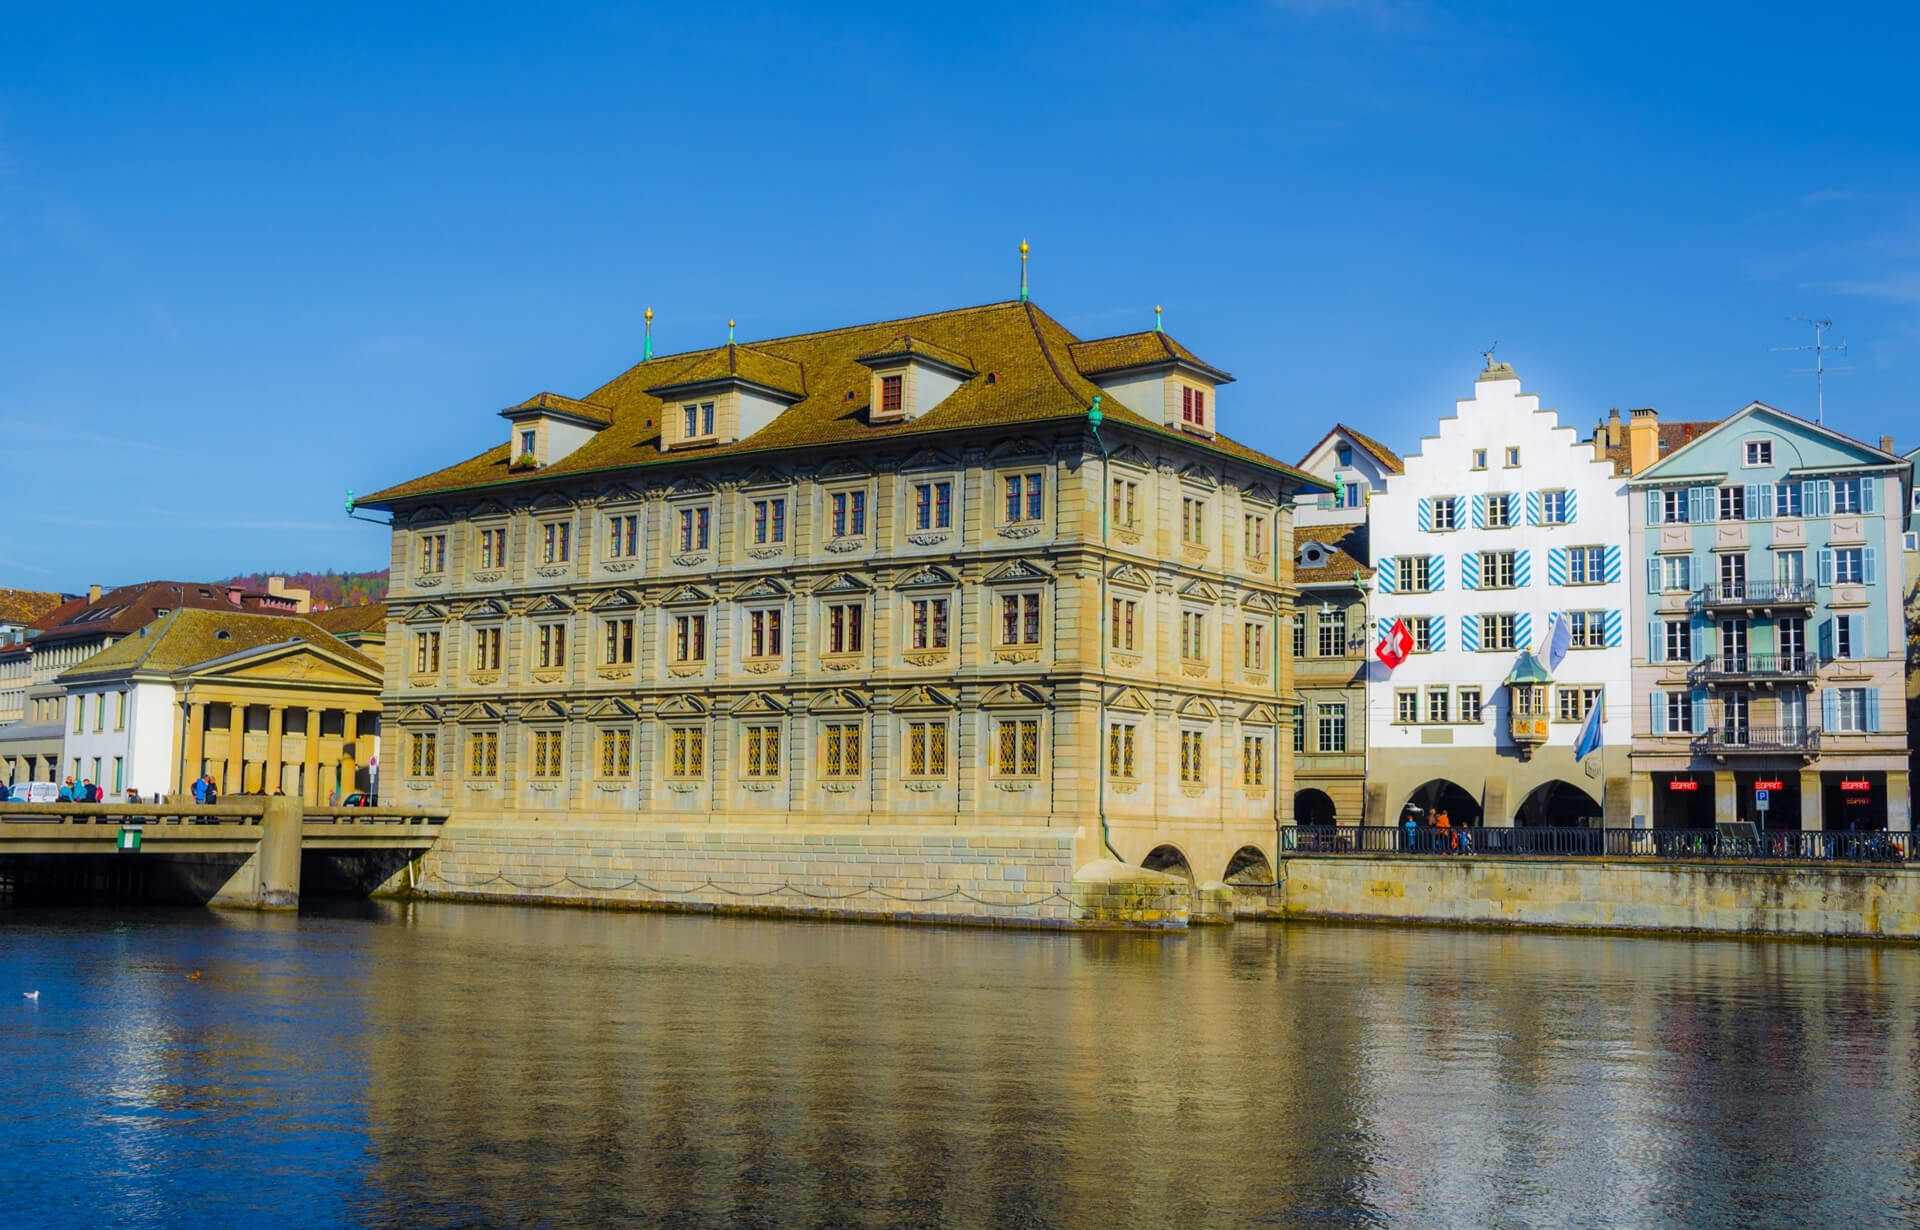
(1734, 718)
(1733, 644)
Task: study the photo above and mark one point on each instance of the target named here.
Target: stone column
(1812, 802)
(234, 779)
(1726, 797)
(196, 747)
(312, 792)
(273, 776)
(349, 751)
(1899, 802)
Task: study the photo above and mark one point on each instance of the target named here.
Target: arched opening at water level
(1560, 805)
(1170, 860)
(1249, 867)
(1313, 807)
(1441, 795)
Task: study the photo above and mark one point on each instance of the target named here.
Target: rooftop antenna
(1023, 271)
(1819, 369)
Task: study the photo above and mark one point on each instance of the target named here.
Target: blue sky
(254, 257)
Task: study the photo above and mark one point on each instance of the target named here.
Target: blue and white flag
(1559, 640)
(1589, 741)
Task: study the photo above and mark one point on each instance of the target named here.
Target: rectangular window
(548, 758)
(1851, 706)
(553, 646)
(1496, 632)
(1446, 513)
(623, 536)
(1120, 623)
(1122, 743)
(687, 751)
(423, 754)
(616, 754)
(1253, 646)
(1126, 495)
(1576, 701)
(1253, 760)
(1193, 405)
(1193, 521)
(1678, 640)
(1332, 641)
(100, 712)
(483, 754)
(840, 748)
(1846, 495)
(526, 443)
(695, 528)
(1553, 508)
(433, 553)
(1787, 499)
(1759, 452)
(1790, 567)
(891, 399)
(1256, 536)
(556, 542)
(1439, 705)
(1676, 572)
(1679, 712)
(1587, 629)
(619, 643)
(1499, 511)
(1415, 574)
(926, 749)
(845, 627)
(1675, 506)
(1299, 635)
(764, 633)
(493, 549)
(1020, 619)
(1017, 747)
(697, 419)
(119, 774)
(120, 711)
(1331, 727)
(1193, 763)
(1406, 705)
(849, 514)
(760, 750)
(1849, 566)
(1025, 497)
(1843, 636)
(1496, 569)
(486, 649)
(1470, 704)
(1586, 565)
(1479, 458)
(1513, 456)
(933, 506)
(1193, 636)
(1420, 627)
(929, 623)
(690, 638)
(426, 653)
(769, 521)
(1733, 503)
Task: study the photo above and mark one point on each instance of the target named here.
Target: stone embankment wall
(1740, 898)
(1016, 876)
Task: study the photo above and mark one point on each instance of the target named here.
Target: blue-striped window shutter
(1829, 709)
(1523, 630)
(1459, 510)
(1573, 505)
(1614, 624)
(1699, 711)
(1383, 573)
(1556, 565)
(1436, 572)
(1615, 565)
(1385, 625)
(1869, 566)
(1470, 633)
(1437, 633)
(1659, 714)
(1479, 512)
(1522, 569)
(1656, 642)
(1873, 711)
(1425, 516)
(1533, 508)
(1653, 575)
(1868, 485)
(1826, 565)
(1470, 570)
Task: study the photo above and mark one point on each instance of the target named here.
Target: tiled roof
(342, 620)
(188, 637)
(1347, 552)
(1027, 377)
(565, 405)
(735, 362)
(23, 606)
(1386, 457)
(1129, 350)
(908, 344)
(132, 607)
(1673, 435)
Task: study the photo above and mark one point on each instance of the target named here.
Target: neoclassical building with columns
(955, 568)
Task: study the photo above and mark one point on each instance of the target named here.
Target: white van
(34, 792)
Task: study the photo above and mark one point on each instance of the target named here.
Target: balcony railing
(1758, 741)
(1754, 593)
(1753, 843)
(1721, 667)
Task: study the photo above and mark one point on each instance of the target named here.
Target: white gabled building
(1502, 520)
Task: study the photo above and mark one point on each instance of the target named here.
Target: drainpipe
(1094, 419)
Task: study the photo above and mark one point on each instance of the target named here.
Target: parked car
(360, 798)
(34, 792)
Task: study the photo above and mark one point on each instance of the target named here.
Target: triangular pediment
(1260, 493)
(928, 577)
(549, 604)
(1127, 574)
(613, 707)
(1132, 700)
(430, 515)
(1013, 696)
(420, 713)
(618, 493)
(481, 711)
(688, 595)
(690, 484)
(760, 476)
(1256, 600)
(845, 583)
(615, 600)
(758, 704)
(683, 705)
(924, 698)
(297, 663)
(1197, 707)
(927, 459)
(1199, 591)
(542, 711)
(837, 700)
(836, 467)
(1128, 454)
(1017, 570)
(486, 608)
(762, 587)
(1260, 715)
(1813, 447)
(1019, 446)
(488, 508)
(1198, 477)
(551, 501)
(426, 612)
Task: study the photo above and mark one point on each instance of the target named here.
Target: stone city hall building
(953, 569)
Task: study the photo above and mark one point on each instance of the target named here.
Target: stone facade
(997, 595)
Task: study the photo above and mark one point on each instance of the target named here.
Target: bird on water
(31, 994)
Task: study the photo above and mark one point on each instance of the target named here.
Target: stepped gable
(1025, 370)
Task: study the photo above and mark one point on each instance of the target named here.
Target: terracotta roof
(23, 606)
(1129, 350)
(908, 344)
(564, 405)
(1388, 459)
(132, 607)
(1026, 378)
(1673, 435)
(341, 620)
(1348, 552)
(189, 637)
(735, 362)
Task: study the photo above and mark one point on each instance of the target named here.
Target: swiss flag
(1395, 645)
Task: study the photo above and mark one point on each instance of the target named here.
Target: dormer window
(1345, 454)
(912, 375)
(528, 438)
(547, 427)
(697, 420)
(1193, 406)
(892, 394)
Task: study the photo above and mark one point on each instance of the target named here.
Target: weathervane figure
(1487, 354)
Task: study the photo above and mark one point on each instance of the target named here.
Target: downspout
(1094, 419)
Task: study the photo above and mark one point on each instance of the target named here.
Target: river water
(443, 1064)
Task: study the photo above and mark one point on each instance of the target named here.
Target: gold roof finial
(729, 332)
(649, 315)
(646, 352)
(1156, 319)
(1023, 270)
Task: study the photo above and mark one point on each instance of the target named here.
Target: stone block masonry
(992, 876)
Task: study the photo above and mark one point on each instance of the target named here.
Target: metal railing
(1759, 741)
(1755, 593)
(1781, 844)
(1755, 666)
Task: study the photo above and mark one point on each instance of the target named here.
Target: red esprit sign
(1770, 785)
(1684, 783)
(1854, 785)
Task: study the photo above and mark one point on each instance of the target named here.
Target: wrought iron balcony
(1758, 741)
(1755, 668)
(1747, 595)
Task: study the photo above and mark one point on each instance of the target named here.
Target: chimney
(1643, 438)
(1886, 444)
(93, 594)
(302, 599)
